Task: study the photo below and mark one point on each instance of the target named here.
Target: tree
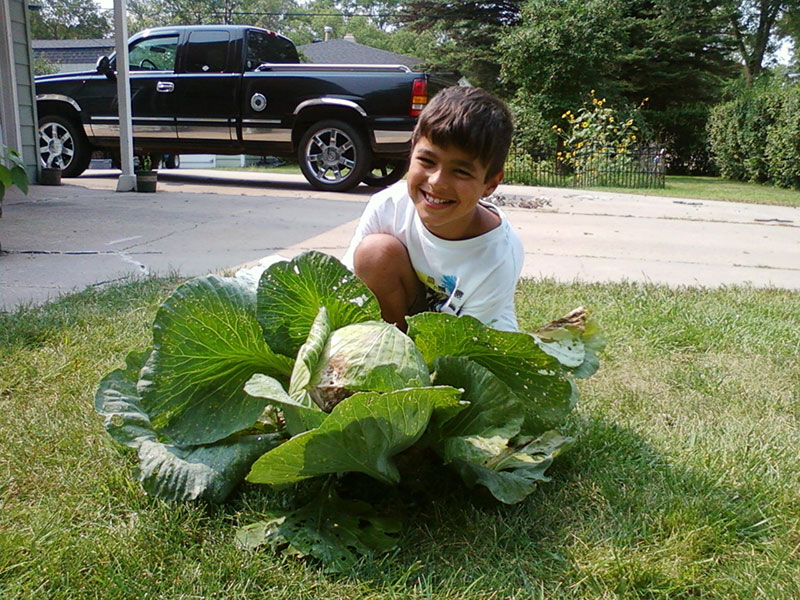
(467, 35)
(70, 19)
(754, 23)
(153, 13)
(302, 24)
(673, 52)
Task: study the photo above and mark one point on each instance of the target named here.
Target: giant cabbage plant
(298, 378)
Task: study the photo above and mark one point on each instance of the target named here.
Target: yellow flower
(584, 124)
(610, 119)
(629, 122)
(592, 92)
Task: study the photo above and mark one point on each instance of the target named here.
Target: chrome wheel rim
(56, 146)
(330, 155)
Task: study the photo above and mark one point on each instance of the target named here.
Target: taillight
(419, 96)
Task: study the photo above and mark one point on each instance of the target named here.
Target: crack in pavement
(126, 257)
(163, 237)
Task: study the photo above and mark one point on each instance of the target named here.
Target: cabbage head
(369, 356)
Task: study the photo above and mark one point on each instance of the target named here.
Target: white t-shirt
(476, 276)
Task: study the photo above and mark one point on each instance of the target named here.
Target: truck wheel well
(61, 109)
(313, 115)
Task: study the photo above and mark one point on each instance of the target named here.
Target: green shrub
(756, 136)
(782, 151)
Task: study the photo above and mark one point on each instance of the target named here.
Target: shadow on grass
(617, 518)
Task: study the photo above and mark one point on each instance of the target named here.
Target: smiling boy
(431, 242)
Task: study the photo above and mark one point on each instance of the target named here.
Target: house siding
(18, 111)
(20, 32)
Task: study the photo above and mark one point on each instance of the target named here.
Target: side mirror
(104, 67)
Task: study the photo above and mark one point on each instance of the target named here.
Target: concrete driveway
(60, 239)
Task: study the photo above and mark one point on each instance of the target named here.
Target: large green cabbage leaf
(290, 295)
(544, 388)
(481, 442)
(361, 434)
(117, 401)
(207, 473)
(510, 472)
(491, 408)
(207, 344)
(165, 470)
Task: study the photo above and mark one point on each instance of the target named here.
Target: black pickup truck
(238, 90)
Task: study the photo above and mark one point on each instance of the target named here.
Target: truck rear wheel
(334, 156)
(385, 171)
(63, 145)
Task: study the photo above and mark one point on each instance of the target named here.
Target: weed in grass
(683, 482)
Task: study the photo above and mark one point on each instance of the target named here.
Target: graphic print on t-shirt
(444, 295)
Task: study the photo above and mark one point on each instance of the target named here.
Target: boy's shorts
(425, 301)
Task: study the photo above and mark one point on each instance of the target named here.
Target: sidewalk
(60, 239)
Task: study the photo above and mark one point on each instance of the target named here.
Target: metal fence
(642, 167)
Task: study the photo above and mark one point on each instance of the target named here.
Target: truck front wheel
(334, 156)
(63, 145)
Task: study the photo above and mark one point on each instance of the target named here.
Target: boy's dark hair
(471, 119)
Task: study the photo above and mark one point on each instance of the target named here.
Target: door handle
(165, 86)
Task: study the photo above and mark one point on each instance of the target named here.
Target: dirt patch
(518, 201)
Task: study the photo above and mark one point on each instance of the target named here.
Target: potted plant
(50, 175)
(146, 177)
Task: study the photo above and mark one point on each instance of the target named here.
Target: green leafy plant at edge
(12, 171)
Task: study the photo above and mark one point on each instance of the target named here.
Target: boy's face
(445, 185)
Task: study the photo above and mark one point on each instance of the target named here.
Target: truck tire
(385, 171)
(334, 156)
(63, 144)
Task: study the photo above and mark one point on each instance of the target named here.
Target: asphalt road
(60, 239)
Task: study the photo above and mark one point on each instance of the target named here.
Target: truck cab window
(207, 52)
(153, 54)
(268, 48)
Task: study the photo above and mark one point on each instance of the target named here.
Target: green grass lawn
(716, 188)
(683, 482)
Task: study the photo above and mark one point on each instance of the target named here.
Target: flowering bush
(599, 142)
